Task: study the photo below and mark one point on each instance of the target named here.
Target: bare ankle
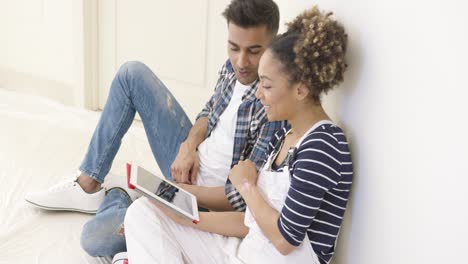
(88, 184)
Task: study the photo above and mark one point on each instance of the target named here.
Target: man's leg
(135, 88)
(103, 235)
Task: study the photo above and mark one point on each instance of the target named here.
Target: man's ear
(301, 91)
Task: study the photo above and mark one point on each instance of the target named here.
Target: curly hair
(312, 51)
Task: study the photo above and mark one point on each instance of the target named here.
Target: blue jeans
(135, 88)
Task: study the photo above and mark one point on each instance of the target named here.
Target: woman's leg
(152, 237)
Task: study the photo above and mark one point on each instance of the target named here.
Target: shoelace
(70, 182)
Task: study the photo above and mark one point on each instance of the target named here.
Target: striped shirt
(253, 131)
(321, 174)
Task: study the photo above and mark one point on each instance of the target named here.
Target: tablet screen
(166, 191)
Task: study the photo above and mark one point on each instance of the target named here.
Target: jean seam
(112, 142)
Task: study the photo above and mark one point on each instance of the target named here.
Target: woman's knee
(134, 212)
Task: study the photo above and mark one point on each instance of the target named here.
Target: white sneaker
(120, 258)
(67, 196)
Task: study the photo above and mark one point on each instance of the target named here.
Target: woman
(296, 202)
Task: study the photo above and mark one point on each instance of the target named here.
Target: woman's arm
(266, 218)
(244, 177)
(224, 223)
(314, 174)
(212, 198)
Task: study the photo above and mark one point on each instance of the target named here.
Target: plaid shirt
(253, 131)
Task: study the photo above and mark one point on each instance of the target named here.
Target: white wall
(41, 48)
(184, 52)
(402, 103)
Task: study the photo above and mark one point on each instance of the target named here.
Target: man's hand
(185, 167)
(243, 175)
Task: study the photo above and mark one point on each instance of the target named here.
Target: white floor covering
(42, 142)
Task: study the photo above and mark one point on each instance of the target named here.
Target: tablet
(162, 191)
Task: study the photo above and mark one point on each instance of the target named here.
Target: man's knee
(103, 237)
(90, 242)
(134, 69)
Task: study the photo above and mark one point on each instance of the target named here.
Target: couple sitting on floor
(263, 156)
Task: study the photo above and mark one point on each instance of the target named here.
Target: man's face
(245, 47)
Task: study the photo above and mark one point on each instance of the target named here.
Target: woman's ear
(301, 91)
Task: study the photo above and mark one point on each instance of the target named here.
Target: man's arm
(197, 133)
(184, 169)
(216, 198)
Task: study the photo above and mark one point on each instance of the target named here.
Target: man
(231, 127)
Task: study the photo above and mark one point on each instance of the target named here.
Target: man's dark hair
(252, 13)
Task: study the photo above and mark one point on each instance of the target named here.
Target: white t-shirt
(215, 152)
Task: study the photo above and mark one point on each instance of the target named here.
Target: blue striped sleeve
(315, 170)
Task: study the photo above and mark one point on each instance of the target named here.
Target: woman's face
(275, 91)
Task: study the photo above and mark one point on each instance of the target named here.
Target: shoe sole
(120, 261)
(61, 209)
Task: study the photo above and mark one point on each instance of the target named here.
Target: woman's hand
(243, 175)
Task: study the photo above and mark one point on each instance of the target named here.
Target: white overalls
(274, 187)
